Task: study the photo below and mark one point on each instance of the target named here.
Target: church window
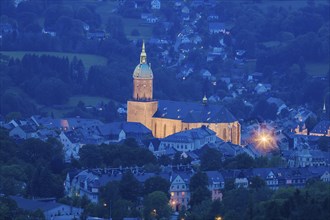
(155, 129)
(165, 130)
(174, 129)
(224, 134)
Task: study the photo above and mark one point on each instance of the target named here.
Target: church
(165, 117)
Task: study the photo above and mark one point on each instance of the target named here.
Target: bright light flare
(264, 140)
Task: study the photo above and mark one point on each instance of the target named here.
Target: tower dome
(143, 70)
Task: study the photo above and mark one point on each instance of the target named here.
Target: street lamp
(218, 218)
(105, 205)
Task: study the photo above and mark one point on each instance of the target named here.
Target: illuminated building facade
(164, 117)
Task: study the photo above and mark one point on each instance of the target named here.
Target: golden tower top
(143, 56)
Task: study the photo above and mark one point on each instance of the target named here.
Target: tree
(156, 206)
(90, 156)
(156, 183)
(199, 179)
(115, 28)
(199, 195)
(129, 187)
(211, 159)
(241, 161)
(13, 178)
(45, 184)
(52, 91)
(35, 151)
(198, 188)
(257, 182)
(110, 192)
(121, 209)
(201, 211)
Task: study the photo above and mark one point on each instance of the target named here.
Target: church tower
(142, 79)
(142, 106)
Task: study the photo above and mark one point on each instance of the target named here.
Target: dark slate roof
(73, 136)
(214, 176)
(188, 136)
(127, 127)
(135, 127)
(322, 127)
(33, 205)
(318, 171)
(193, 112)
(184, 175)
(66, 122)
(155, 142)
(109, 129)
(28, 128)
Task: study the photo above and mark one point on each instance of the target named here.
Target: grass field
(88, 59)
(317, 69)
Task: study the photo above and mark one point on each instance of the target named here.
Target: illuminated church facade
(164, 117)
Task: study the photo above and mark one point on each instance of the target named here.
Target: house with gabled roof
(154, 146)
(111, 132)
(269, 175)
(216, 184)
(71, 142)
(321, 129)
(189, 140)
(325, 176)
(179, 190)
(242, 179)
(24, 132)
(50, 209)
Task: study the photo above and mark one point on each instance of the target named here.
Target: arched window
(224, 134)
(155, 129)
(174, 129)
(164, 130)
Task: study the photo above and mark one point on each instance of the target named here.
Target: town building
(51, 209)
(179, 190)
(165, 117)
(321, 129)
(189, 140)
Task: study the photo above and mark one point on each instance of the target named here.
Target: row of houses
(51, 209)
(74, 133)
(89, 182)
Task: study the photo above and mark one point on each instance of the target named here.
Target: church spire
(324, 110)
(143, 56)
